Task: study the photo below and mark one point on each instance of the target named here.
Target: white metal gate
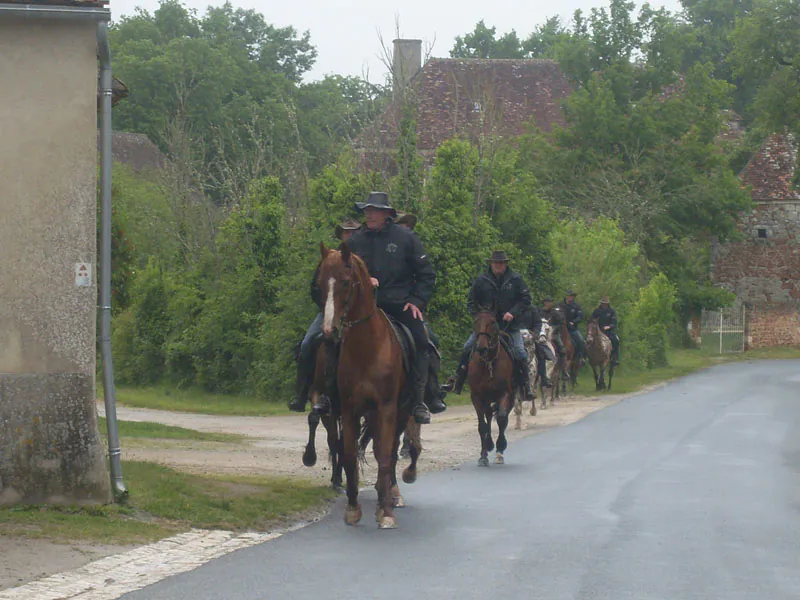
(724, 330)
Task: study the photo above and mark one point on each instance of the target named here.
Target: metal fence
(724, 330)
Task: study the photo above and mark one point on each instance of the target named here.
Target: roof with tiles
(473, 96)
(771, 170)
(89, 3)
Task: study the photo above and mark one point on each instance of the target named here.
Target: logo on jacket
(391, 248)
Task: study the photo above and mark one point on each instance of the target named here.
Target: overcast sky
(345, 32)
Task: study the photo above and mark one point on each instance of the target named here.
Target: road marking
(113, 576)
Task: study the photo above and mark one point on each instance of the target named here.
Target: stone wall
(763, 270)
(50, 450)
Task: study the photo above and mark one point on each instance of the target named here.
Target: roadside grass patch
(164, 502)
(135, 429)
(196, 401)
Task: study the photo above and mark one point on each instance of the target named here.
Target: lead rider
(404, 277)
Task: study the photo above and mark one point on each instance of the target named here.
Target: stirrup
(448, 387)
(322, 406)
(421, 414)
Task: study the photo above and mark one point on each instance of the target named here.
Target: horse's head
(592, 331)
(544, 331)
(486, 331)
(344, 284)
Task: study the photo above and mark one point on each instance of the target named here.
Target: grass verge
(197, 401)
(134, 429)
(164, 501)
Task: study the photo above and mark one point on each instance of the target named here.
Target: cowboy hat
(406, 219)
(571, 293)
(547, 299)
(604, 300)
(349, 224)
(498, 256)
(377, 200)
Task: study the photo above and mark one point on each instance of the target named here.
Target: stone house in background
(763, 269)
(480, 99)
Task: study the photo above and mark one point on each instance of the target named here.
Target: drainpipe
(101, 16)
(109, 395)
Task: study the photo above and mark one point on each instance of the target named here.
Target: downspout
(109, 393)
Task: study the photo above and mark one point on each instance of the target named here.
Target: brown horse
(598, 346)
(370, 376)
(568, 367)
(490, 375)
(331, 421)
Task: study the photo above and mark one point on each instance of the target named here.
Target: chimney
(406, 62)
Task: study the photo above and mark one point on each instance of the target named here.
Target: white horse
(530, 339)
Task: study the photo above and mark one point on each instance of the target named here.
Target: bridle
(344, 324)
(493, 344)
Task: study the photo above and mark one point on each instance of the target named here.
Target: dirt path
(274, 445)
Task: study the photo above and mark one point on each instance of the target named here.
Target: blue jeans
(307, 346)
(516, 342)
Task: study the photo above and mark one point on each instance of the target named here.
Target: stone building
(476, 98)
(50, 448)
(763, 269)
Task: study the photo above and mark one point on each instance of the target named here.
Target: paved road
(689, 492)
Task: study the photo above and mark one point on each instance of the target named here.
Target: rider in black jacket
(504, 290)
(607, 320)
(573, 315)
(404, 277)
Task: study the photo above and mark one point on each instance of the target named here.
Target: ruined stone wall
(50, 450)
(763, 270)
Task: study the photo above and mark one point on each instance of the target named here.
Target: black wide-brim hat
(571, 293)
(377, 200)
(498, 256)
(348, 224)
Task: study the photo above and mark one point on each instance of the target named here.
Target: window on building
(762, 232)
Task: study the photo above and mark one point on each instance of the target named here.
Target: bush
(652, 317)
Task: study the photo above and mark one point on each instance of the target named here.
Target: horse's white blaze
(327, 323)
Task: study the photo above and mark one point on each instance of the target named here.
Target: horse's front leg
(483, 432)
(414, 432)
(387, 457)
(352, 514)
(602, 377)
(310, 454)
(502, 423)
(335, 449)
(518, 410)
(596, 378)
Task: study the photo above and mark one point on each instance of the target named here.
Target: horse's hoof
(388, 523)
(379, 514)
(483, 461)
(409, 475)
(309, 458)
(499, 460)
(352, 515)
(399, 501)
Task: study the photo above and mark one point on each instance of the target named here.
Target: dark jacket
(316, 293)
(508, 293)
(396, 258)
(572, 314)
(605, 317)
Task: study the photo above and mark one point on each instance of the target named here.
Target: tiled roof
(771, 170)
(91, 3)
(470, 96)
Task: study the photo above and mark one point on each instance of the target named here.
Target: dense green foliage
(214, 253)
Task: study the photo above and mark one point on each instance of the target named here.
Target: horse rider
(306, 355)
(607, 320)
(535, 317)
(556, 320)
(505, 290)
(574, 315)
(404, 277)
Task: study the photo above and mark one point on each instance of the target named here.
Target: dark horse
(598, 346)
(490, 376)
(331, 421)
(568, 369)
(370, 378)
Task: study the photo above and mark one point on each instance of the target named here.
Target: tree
(483, 43)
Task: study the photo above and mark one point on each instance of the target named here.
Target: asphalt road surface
(689, 492)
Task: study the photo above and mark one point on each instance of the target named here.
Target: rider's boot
(615, 357)
(436, 402)
(456, 382)
(303, 387)
(419, 378)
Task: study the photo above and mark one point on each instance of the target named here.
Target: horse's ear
(323, 250)
(345, 250)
